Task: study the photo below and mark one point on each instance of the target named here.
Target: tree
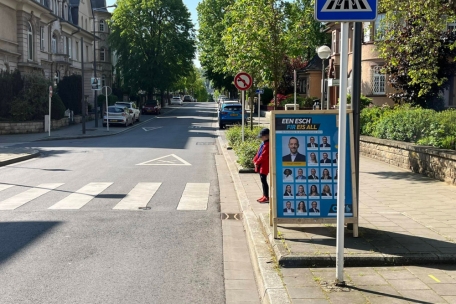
(154, 41)
(212, 52)
(417, 49)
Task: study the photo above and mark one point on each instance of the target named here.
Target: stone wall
(436, 163)
(30, 126)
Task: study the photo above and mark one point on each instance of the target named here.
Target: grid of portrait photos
(308, 175)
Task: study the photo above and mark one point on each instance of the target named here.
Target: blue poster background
(306, 166)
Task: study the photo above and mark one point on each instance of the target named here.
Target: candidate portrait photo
(293, 149)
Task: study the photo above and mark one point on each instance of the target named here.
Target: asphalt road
(97, 254)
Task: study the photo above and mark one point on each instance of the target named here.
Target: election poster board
(304, 160)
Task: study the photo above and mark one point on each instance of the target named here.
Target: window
(335, 42)
(87, 53)
(77, 50)
(102, 54)
(86, 24)
(103, 80)
(367, 32)
(30, 41)
(451, 27)
(102, 25)
(54, 44)
(42, 38)
(379, 27)
(82, 21)
(65, 45)
(70, 51)
(378, 81)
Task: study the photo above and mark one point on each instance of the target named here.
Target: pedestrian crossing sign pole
(345, 10)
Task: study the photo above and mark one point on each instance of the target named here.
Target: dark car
(151, 107)
(188, 98)
(230, 113)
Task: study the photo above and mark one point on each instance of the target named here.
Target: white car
(135, 112)
(176, 100)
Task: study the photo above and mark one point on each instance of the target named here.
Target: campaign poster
(306, 164)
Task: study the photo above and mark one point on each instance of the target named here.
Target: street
(131, 218)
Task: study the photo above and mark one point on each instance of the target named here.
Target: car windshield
(123, 104)
(176, 97)
(115, 110)
(232, 108)
(151, 103)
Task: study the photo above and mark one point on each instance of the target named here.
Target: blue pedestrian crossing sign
(259, 91)
(345, 10)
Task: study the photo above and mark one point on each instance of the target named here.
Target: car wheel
(138, 118)
(221, 126)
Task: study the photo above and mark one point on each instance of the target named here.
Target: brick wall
(436, 163)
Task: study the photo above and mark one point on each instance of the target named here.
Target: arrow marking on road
(167, 160)
(147, 129)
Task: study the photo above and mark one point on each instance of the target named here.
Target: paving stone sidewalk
(405, 219)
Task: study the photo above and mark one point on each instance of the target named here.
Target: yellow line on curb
(434, 278)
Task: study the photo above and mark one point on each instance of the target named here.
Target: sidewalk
(405, 219)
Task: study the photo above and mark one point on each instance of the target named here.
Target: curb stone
(270, 285)
(32, 154)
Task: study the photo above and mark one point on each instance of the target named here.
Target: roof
(314, 64)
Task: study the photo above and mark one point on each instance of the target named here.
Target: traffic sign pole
(259, 107)
(50, 103)
(243, 108)
(342, 154)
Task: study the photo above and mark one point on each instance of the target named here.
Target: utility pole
(82, 95)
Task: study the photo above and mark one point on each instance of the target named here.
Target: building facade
(54, 38)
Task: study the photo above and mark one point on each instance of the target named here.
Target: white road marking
(195, 197)
(25, 197)
(167, 160)
(4, 187)
(138, 197)
(81, 197)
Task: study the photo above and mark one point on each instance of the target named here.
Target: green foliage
(70, 91)
(11, 84)
(154, 42)
(417, 50)
(57, 107)
(246, 151)
(35, 94)
(101, 100)
(405, 123)
(20, 110)
(234, 135)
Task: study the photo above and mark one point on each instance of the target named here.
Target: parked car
(151, 107)
(226, 101)
(118, 115)
(176, 100)
(132, 107)
(188, 98)
(230, 113)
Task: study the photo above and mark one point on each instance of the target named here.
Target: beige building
(55, 38)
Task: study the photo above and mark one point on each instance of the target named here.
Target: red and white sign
(50, 91)
(242, 81)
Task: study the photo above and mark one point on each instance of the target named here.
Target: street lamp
(95, 102)
(323, 52)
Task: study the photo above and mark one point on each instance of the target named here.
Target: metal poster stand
(277, 201)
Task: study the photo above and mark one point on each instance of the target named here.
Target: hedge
(405, 123)
(246, 150)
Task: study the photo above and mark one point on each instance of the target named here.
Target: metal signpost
(259, 92)
(343, 11)
(243, 82)
(107, 109)
(50, 97)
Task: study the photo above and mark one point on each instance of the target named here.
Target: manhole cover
(205, 143)
(144, 208)
(231, 216)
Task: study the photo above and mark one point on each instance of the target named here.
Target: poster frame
(274, 220)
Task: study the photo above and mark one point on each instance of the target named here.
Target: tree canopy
(417, 49)
(154, 41)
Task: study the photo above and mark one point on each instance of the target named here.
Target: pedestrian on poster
(261, 162)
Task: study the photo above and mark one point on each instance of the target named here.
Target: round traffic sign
(242, 81)
(50, 91)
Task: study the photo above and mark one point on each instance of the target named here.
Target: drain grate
(144, 208)
(205, 143)
(231, 216)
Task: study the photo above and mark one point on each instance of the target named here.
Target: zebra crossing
(194, 197)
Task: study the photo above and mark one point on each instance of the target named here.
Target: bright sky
(191, 5)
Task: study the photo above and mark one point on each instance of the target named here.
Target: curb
(31, 155)
(287, 260)
(270, 285)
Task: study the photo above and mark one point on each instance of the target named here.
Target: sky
(191, 5)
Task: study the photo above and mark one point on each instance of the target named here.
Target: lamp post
(95, 102)
(323, 52)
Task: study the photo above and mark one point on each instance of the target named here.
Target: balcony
(61, 59)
